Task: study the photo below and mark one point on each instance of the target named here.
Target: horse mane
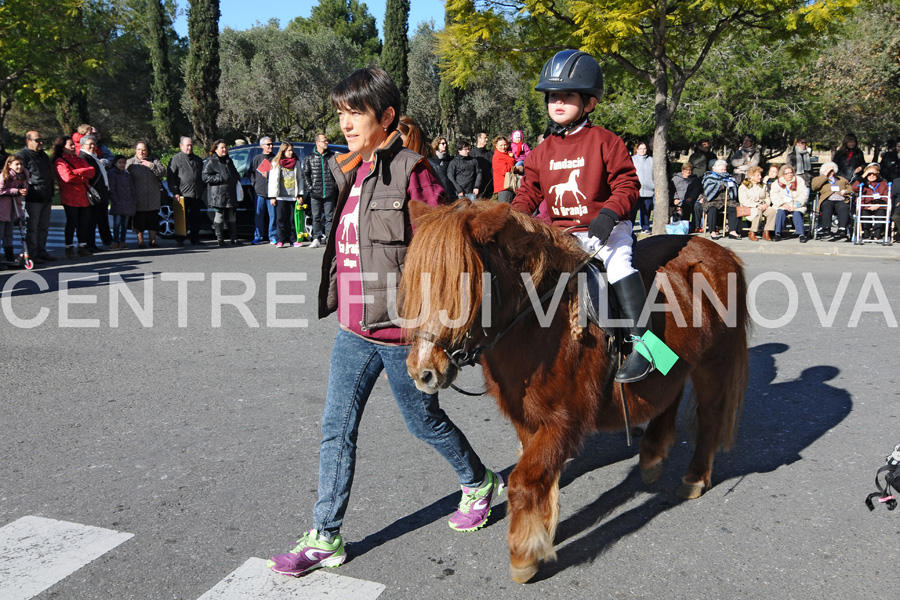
(448, 243)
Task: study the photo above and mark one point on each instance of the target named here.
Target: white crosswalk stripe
(36, 553)
(254, 580)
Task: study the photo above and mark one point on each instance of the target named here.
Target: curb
(814, 248)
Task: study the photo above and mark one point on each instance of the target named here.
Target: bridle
(468, 353)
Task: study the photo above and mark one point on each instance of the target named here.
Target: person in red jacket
(586, 178)
(74, 174)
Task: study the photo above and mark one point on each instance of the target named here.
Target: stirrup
(629, 371)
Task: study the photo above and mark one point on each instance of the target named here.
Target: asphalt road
(194, 426)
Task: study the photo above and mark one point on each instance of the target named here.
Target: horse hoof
(690, 491)
(652, 474)
(524, 573)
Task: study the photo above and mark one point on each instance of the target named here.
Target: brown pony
(554, 381)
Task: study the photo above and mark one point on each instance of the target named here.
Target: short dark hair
(368, 89)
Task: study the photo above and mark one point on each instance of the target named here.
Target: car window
(242, 156)
(299, 151)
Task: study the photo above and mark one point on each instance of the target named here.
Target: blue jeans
(120, 228)
(355, 366)
(645, 205)
(264, 208)
(781, 220)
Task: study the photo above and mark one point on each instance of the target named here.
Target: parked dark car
(246, 211)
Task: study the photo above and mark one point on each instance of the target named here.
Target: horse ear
(418, 210)
(485, 225)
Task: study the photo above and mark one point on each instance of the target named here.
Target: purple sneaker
(475, 506)
(310, 553)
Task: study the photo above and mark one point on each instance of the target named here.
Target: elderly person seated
(873, 196)
(834, 199)
(788, 195)
(685, 190)
(752, 195)
(717, 185)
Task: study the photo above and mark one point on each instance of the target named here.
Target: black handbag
(94, 196)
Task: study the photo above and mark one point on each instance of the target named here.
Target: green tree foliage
(856, 76)
(203, 70)
(395, 53)
(162, 100)
(497, 101)
(48, 49)
(277, 82)
(424, 81)
(664, 43)
(348, 19)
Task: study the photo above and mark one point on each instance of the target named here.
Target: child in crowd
(586, 177)
(285, 190)
(519, 148)
(13, 187)
(123, 202)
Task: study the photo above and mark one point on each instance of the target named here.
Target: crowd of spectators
(779, 205)
(710, 194)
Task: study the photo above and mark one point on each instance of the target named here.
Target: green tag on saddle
(656, 351)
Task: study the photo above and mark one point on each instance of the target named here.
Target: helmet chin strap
(556, 129)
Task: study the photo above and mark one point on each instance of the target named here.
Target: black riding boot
(232, 229)
(220, 237)
(631, 294)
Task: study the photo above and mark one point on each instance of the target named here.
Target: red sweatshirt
(578, 175)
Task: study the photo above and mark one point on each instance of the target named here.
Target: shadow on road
(778, 422)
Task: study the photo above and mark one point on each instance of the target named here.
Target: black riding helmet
(572, 71)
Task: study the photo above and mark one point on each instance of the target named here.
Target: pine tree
(162, 100)
(203, 72)
(395, 53)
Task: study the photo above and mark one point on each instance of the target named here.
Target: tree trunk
(663, 119)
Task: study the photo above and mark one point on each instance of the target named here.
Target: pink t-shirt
(423, 186)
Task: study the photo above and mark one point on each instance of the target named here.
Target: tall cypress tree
(203, 71)
(162, 101)
(395, 52)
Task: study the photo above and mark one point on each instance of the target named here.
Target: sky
(243, 14)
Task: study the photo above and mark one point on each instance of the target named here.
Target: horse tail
(724, 370)
(737, 372)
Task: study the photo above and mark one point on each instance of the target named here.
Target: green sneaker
(475, 506)
(309, 553)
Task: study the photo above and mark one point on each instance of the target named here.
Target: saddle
(596, 301)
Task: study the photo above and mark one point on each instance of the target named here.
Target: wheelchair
(864, 218)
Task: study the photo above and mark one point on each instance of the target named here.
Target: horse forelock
(443, 272)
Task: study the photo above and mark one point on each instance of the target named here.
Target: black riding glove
(603, 224)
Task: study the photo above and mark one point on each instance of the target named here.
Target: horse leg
(710, 389)
(524, 436)
(657, 440)
(534, 503)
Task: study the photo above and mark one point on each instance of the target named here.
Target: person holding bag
(74, 175)
(222, 181)
(503, 165)
(285, 190)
